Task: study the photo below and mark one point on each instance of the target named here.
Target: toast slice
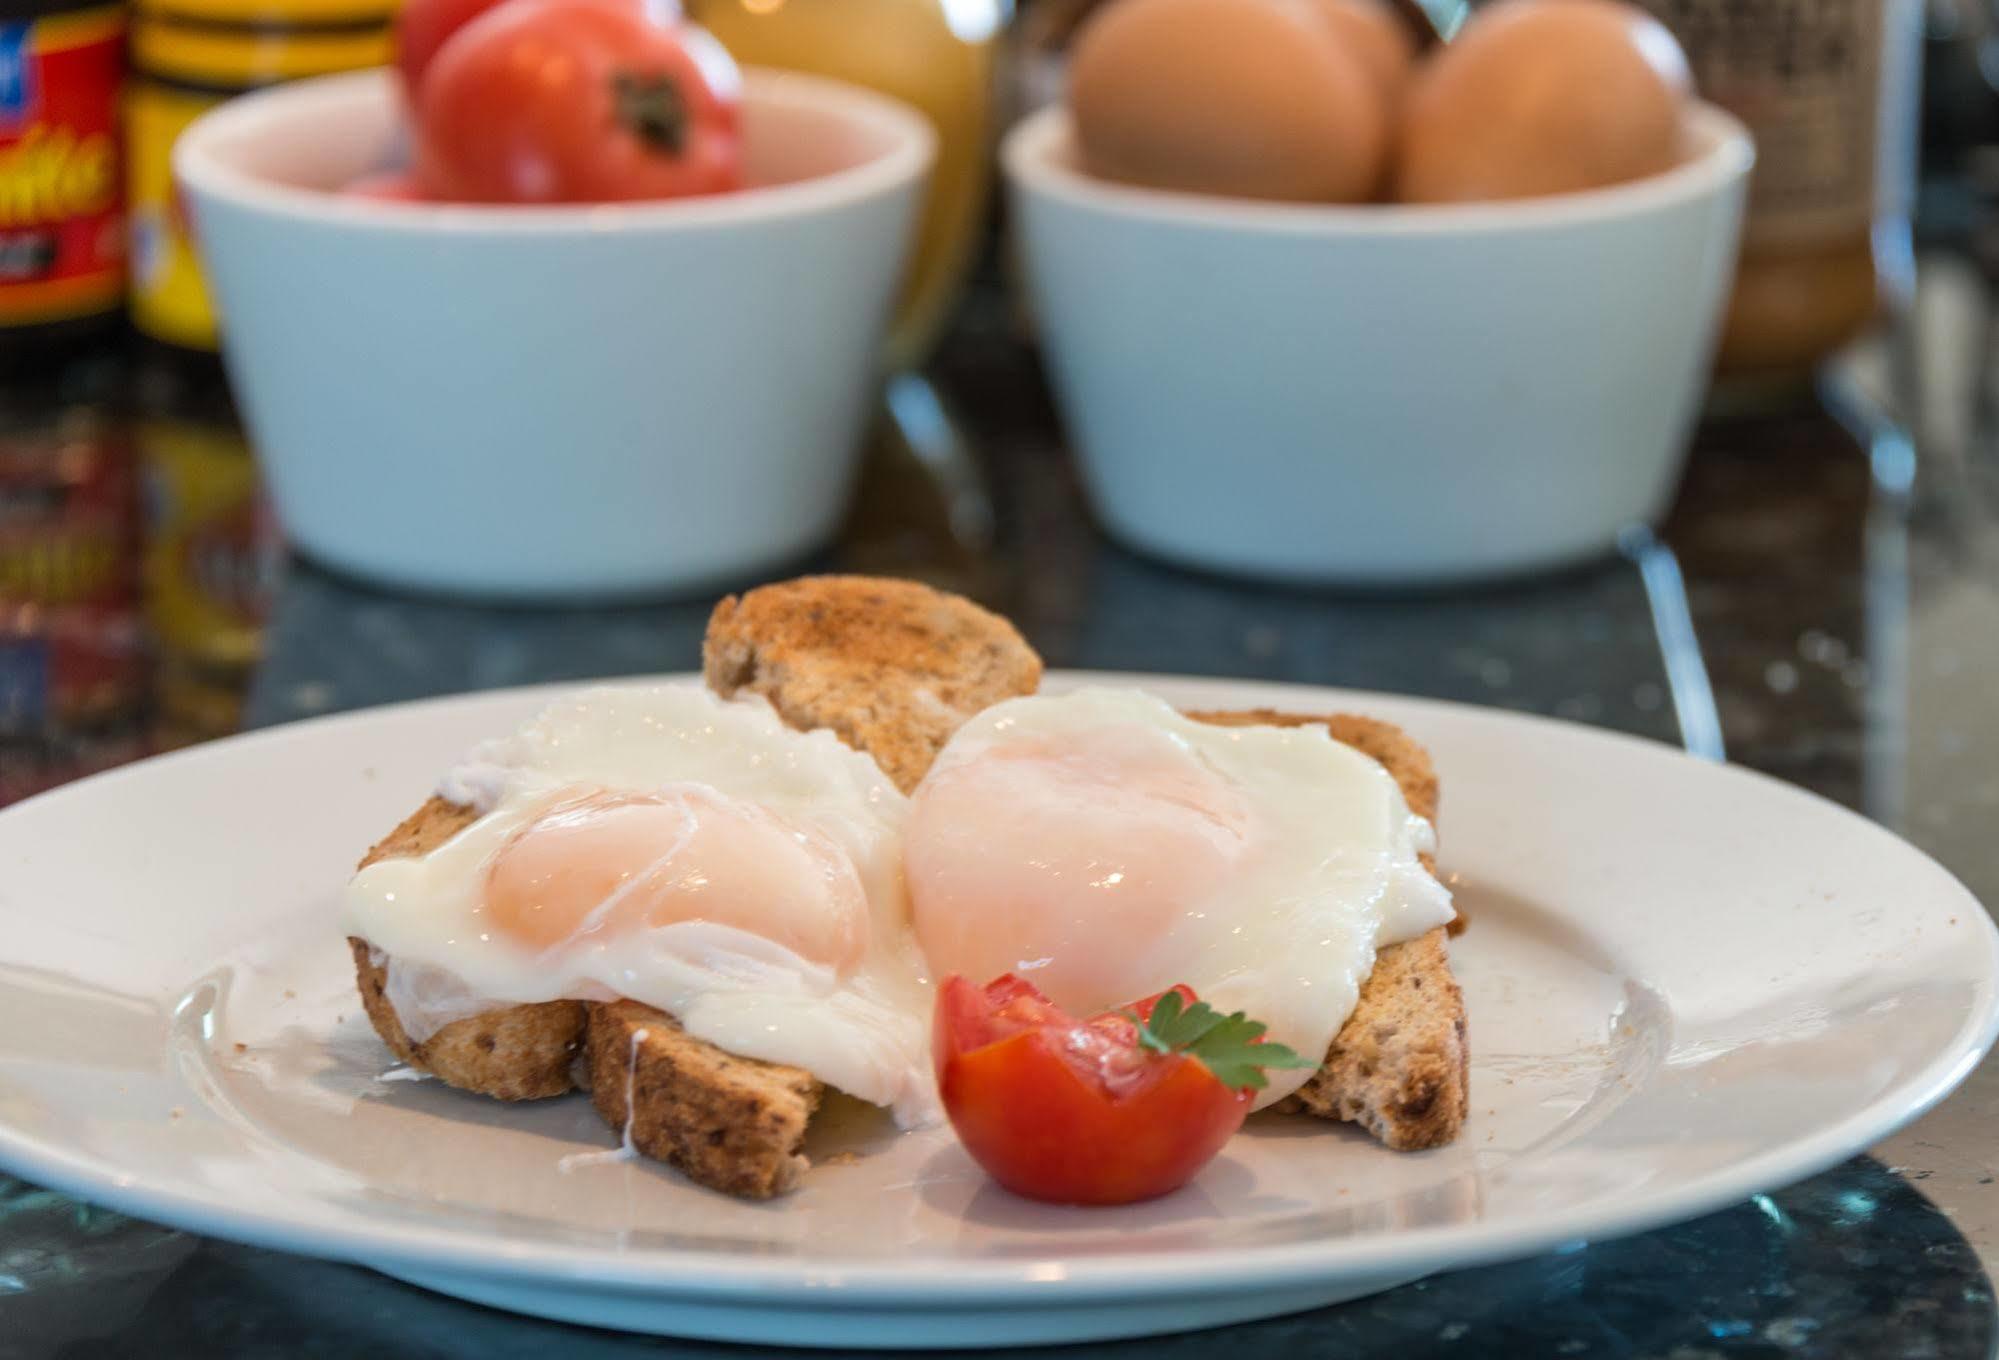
(733, 1124)
(513, 1053)
(1400, 1066)
(893, 668)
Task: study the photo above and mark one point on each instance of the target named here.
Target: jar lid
(29, 11)
(63, 24)
(274, 13)
(243, 58)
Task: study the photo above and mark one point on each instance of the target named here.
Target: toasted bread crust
(511, 1052)
(1401, 1065)
(892, 668)
(733, 1124)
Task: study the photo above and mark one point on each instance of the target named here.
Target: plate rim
(834, 1284)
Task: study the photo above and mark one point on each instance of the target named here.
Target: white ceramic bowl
(1378, 395)
(539, 402)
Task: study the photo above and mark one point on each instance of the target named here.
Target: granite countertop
(1818, 607)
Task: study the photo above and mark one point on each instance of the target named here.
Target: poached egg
(657, 843)
(1105, 847)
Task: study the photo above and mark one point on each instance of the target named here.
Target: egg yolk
(1073, 865)
(604, 864)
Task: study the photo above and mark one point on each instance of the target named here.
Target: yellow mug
(939, 56)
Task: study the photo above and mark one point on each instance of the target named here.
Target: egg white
(865, 1033)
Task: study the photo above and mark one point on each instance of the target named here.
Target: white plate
(1686, 983)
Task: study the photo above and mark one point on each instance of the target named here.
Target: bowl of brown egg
(1321, 304)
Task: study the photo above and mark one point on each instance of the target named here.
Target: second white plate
(1686, 984)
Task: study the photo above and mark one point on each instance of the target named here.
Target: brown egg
(1375, 33)
(1542, 97)
(1248, 98)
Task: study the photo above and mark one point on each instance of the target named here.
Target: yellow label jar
(187, 57)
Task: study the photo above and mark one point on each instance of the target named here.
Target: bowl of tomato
(602, 391)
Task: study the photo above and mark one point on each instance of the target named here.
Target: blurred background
(140, 566)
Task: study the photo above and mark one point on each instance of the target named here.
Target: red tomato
(387, 186)
(1072, 1111)
(421, 28)
(578, 101)
(423, 25)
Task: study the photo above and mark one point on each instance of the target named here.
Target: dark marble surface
(1754, 1281)
(1808, 609)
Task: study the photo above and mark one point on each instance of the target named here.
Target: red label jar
(62, 228)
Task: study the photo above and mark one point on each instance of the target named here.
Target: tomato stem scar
(652, 107)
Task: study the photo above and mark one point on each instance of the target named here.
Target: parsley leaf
(1225, 1044)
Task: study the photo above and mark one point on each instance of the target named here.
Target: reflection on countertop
(136, 566)
(1854, 1264)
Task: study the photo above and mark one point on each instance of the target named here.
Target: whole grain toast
(894, 668)
(1400, 1066)
(734, 1124)
(891, 667)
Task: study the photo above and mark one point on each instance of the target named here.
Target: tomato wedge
(1075, 1111)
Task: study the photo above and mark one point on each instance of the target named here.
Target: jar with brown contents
(1828, 88)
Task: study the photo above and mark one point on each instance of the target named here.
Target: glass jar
(62, 208)
(937, 55)
(1829, 90)
(187, 57)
